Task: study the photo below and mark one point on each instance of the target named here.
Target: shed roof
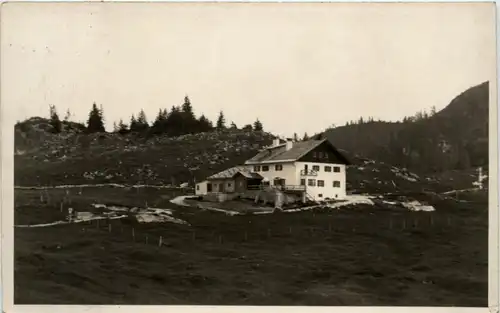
(231, 172)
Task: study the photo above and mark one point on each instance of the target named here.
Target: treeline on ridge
(177, 121)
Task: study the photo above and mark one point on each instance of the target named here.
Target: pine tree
(187, 107)
(115, 127)
(133, 124)
(159, 125)
(257, 125)
(55, 122)
(233, 126)
(221, 121)
(95, 122)
(306, 137)
(174, 124)
(122, 128)
(142, 122)
(248, 127)
(189, 123)
(204, 125)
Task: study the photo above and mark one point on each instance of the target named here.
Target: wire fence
(162, 236)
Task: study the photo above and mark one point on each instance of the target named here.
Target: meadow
(360, 255)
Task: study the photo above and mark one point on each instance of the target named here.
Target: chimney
(276, 142)
(289, 144)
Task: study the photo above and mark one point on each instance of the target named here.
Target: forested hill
(453, 138)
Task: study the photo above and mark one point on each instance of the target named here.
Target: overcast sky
(296, 67)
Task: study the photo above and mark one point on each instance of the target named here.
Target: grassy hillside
(111, 158)
(453, 138)
(99, 158)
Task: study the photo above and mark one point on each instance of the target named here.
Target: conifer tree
(189, 123)
(55, 122)
(159, 125)
(204, 124)
(221, 121)
(133, 124)
(122, 127)
(142, 122)
(257, 125)
(95, 122)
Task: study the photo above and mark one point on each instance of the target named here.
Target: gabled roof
(231, 172)
(298, 150)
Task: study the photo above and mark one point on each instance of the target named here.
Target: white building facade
(314, 166)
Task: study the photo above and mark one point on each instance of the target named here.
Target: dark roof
(231, 172)
(298, 150)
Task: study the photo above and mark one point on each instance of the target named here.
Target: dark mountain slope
(453, 138)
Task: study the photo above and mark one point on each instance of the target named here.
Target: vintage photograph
(285, 154)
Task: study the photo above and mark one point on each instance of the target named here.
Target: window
(321, 183)
(256, 168)
(302, 182)
(315, 154)
(229, 184)
(328, 168)
(336, 169)
(197, 187)
(209, 187)
(316, 168)
(265, 168)
(336, 184)
(320, 155)
(320, 195)
(278, 167)
(311, 182)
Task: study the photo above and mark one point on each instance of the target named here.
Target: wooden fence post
(160, 242)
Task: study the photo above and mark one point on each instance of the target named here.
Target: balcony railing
(294, 188)
(308, 173)
(279, 187)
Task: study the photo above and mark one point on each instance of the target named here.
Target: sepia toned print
(285, 154)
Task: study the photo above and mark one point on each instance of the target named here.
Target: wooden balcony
(308, 173)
